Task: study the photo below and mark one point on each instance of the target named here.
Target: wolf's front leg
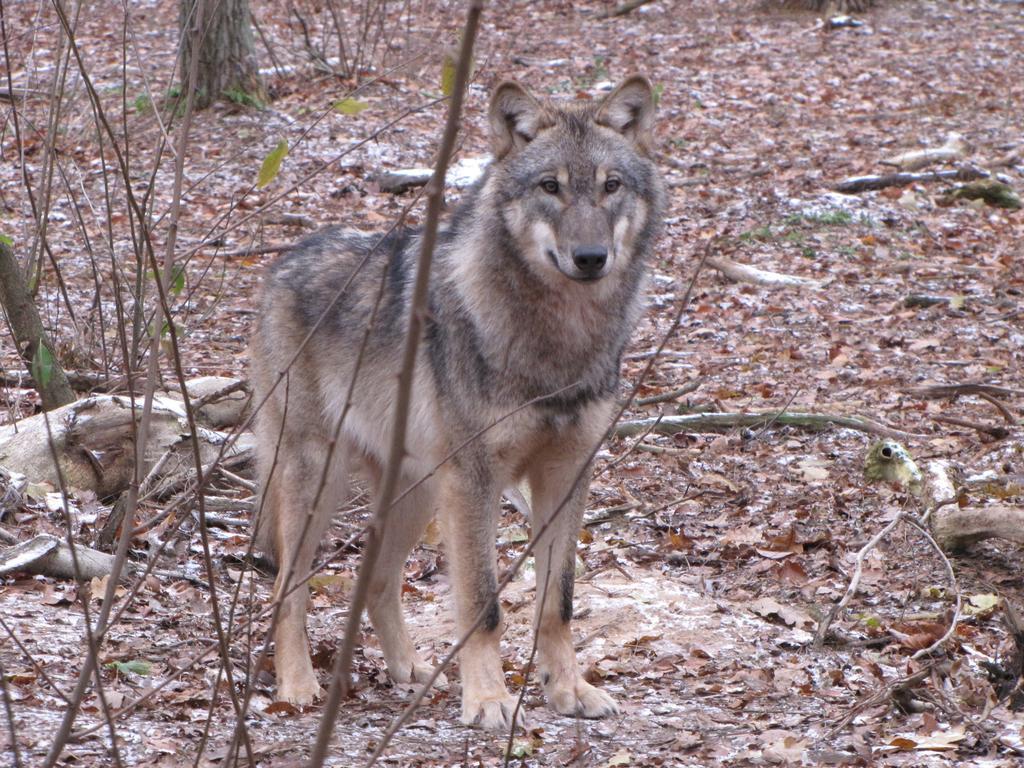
(469, 519)
(559, 505)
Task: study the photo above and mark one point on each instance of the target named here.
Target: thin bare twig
(851, 589)
(952, 580)
(1006, 413)
(513, 569)
(392, 472)
(12, 728)
(992, 430)
(673, 394)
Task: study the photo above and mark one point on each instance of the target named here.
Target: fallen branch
(50, 556)
(923, 528)
(675, 394)
(997, 431)
(1008, 416)
(255, 250)
(714, 422)
(744, 273)
(851, 589)
(856, 184)
(903, 685)
(937, 391)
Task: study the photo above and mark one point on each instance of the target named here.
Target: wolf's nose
(589, 259)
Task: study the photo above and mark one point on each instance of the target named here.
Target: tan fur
(518, 315)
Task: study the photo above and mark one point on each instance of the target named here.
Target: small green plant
(759, 234)
(243, 99)
(143, 103)
(833, 218)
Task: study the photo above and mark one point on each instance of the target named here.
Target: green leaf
(6, 240)
(448, 75)
(272, 164)
(130, 667)
(350, 106)
(656, 92)
(177, 279)
(42, 365)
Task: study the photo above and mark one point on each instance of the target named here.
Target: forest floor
(707, 559)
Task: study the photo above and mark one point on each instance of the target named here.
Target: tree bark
(52, 384)
(226, 50)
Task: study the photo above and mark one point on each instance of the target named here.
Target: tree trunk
(48, 376)
(227, 56)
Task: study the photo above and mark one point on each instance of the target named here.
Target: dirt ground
(707, 559)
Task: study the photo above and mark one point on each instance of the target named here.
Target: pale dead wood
(621, 10)
(957, 528)
(914, 160)
(50, 556)
(744, 273)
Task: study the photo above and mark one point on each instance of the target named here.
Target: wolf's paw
(579, 698)
(493, 714)
(300, 691)
(416, 672)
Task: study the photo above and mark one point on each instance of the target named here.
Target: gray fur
(512, 317)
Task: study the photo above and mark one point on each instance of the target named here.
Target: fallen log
(50, 556)
(93, 440)
(856, 184)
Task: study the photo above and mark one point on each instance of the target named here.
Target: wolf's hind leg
(551, 477)
(408, 518)
(299, 527)
(469, 509)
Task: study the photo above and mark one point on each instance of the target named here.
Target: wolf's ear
(516, 118)
(629, 109)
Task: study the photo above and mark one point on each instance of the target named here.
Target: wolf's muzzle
(589, 260)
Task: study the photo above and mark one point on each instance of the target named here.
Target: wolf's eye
(550, 186)
(612, 185)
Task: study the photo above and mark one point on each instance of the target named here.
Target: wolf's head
(574, 183)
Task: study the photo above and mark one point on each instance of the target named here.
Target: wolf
(535, 288)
